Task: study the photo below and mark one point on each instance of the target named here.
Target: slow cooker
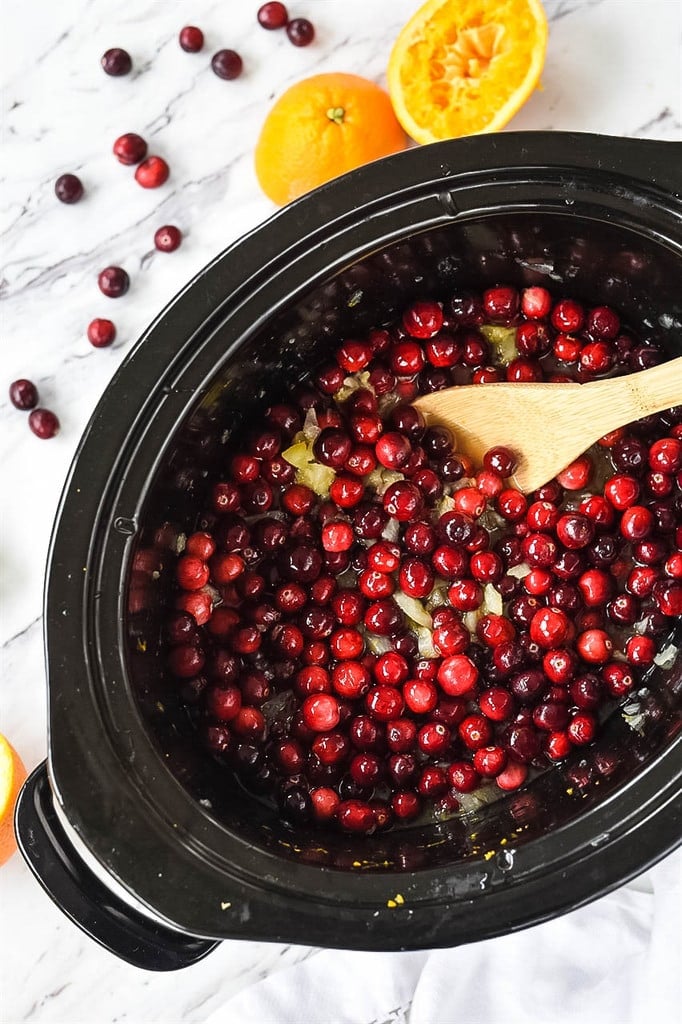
(129, 826)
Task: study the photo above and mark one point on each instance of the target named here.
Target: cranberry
(272, 15)
(597, 357)
(116, 62)
(407, 359)
(568, 316)
(582, 728)
(489, 761)
(550, 716)
(536, 303)
(528, 686)
(668, 597)
(113, 282)
(575, 530)
(457, 675)
(300, 32)
(586, 692)
(43, 423)
(423, 319)
(522, 743)
(513, 776)
(420, 696)
(23, 394)
(167, 238)
(576, 476)
(130, 148)
(321, 712)
(186, 661)
(393, 450)
(567, 349)
(227, 64)
(68, 188)
(636, 523)
(101, 333)
(403, 501)
(152, 172)
(384, 703)
(665, 455)
(511, 505)
(416, 578)
(501, 304)
(463, 777)
(500, 460)
(594, 646)
(191, 39)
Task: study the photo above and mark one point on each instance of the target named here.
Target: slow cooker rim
(51, 617)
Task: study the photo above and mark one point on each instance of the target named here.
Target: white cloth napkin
(616, 961)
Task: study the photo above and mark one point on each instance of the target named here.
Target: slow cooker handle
(77, 892)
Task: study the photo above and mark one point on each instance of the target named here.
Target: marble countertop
(612, 67)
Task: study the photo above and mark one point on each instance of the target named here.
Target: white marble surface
(612, 66)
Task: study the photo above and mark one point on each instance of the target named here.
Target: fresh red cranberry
(528, 685)
(665, 455)
(321, 712)
(442, 350)
(618, 678)
(130, 148)
(512, 777)
(191, 39)
(152, 172)
(575, 530)
(325, 803)
(405, 805)
(416, 578)
(407, 359)
(272, 15)
(522, 743)
(332, 448)
(403, 501)
(603, 323)
(43, 423)
(116, 62)
(186, 661)
(523, 370)
(597, 357)
(465, 595)
(582, 728)
(423, 319)
(567, 349)
(586, 692)
(500, 460)
(640, 650)
(596, 587)
(536, 303)
(594, 646)
(420, 696)
(512, 505)
(300, 32)
(384, 703)
(197, 604)
(489, 761)
(101, 333)
(393, 450)
(350, 679)
(501, 304)
(576, 476)
(167, 238)
(457, 675)
(227, 64)
(224, 703)
(622, 491)
(568, 316)
(23, 394)
(550, 716)
(68, 188)
(463, 777)
(668, 597)
(337, 536)
(113, 282)
(636, 523)
(434, 738)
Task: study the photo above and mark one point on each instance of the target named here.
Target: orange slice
(12, 776)
(461, 67)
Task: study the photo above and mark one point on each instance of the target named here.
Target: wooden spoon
(547, 426)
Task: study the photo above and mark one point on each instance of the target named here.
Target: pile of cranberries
(367, 626)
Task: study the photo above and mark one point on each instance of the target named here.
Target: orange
(12, 776)
(320, 128)
(460, 67)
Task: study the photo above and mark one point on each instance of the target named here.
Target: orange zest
(320, 128)
(12, 777)
(461, 67)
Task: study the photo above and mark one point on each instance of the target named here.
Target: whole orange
(320, 128)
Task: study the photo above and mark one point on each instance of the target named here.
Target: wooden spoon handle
(637, 395)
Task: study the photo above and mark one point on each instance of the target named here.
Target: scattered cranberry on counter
(167, 238)
(130, 148)
(68, 188)
(116, 62)
(23, 394)
(273, 15)
(301, 32)
(43, 423)
(152, 172)
(101, 333)
(113, 282)
(227, 64)
(191, 39)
